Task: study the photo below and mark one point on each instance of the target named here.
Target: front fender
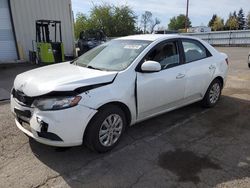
(121, 90)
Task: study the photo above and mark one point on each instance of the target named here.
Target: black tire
(249, 61)
(207, 101)
(91, 136)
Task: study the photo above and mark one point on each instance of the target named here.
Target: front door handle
(179, 76)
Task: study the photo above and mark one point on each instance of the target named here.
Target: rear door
(199, 67)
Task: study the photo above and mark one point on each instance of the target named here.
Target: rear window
(194, 50)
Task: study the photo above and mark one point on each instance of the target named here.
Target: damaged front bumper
(56, 128)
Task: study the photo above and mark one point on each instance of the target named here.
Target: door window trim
(208, 53)
(179, 48)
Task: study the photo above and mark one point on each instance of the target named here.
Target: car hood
(59, 77)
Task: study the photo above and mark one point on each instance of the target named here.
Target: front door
(159, 91)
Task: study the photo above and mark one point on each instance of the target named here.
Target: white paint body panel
(159, 91)
(59, 77)
(145, 94)
(60, 122)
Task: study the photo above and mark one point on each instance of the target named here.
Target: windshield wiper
(74, 62)
(93, 67)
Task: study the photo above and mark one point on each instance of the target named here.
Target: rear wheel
(105, 129)
(213, 94)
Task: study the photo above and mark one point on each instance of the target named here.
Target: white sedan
(93, 99)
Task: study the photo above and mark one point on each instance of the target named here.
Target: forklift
(49, 47)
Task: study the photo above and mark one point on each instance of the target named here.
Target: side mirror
(150, 66)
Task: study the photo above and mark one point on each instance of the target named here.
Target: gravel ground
(189, 147)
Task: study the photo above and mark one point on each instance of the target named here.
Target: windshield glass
(115, 55)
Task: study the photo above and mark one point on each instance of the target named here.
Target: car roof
(149, 37)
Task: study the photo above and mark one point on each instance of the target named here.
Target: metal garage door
(7, 42)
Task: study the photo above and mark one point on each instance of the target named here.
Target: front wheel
(213, 94)
(105, 129)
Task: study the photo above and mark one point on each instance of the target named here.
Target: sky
(200, 11)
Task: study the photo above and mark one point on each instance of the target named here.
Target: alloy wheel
(214, 93)
(110, 130)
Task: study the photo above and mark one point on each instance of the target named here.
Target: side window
(194, 50)
(166, 54)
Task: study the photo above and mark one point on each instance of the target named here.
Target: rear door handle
(179, 76)
(211, 67)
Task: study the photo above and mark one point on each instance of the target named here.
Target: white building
(199, 29)
(17, 26)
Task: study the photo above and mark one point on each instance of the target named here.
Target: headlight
(56, 103)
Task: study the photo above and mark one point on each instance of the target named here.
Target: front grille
(21, 97)
(25, 113)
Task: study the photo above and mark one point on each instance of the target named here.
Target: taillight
(227, 61)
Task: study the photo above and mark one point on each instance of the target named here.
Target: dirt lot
(189, 147)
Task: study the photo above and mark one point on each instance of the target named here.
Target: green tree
(211, 22)
(241, 19)
(235, 14)
(231, 23)
(101, 17)
(218, 24)
(124, 21)
(248, 21)
(177, 23)
(80, 24)
(115, 21)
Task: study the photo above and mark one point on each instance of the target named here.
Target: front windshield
(115, 55)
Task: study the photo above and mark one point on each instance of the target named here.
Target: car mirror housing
(150, 66)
